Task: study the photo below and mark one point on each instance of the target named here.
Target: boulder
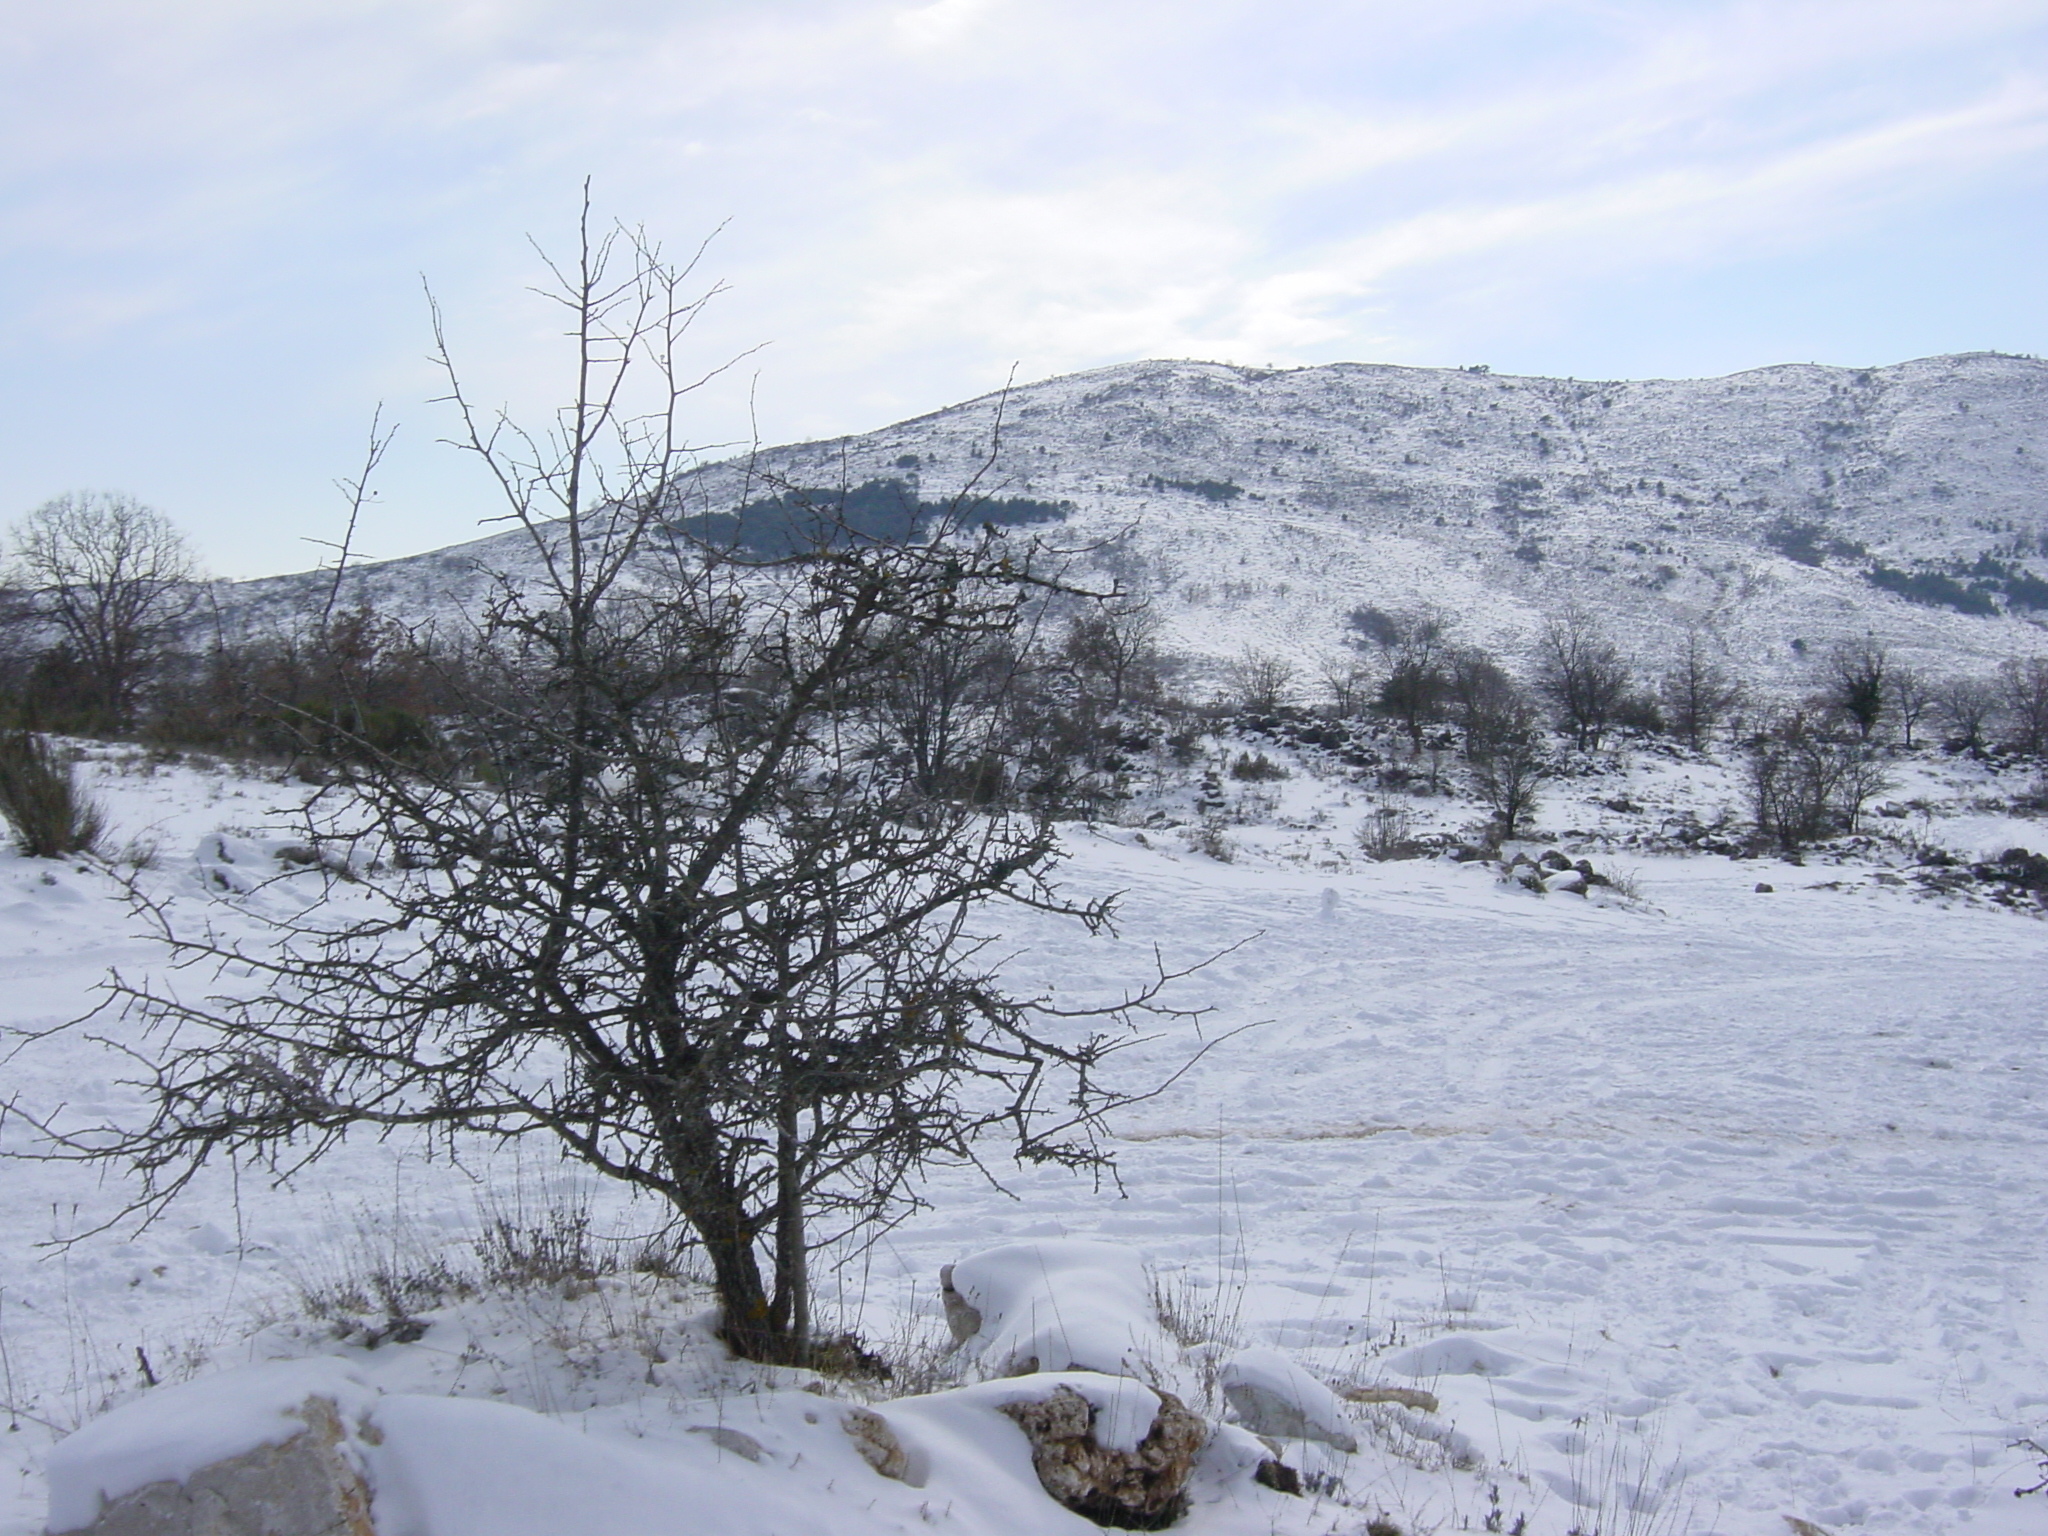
(276, 1449)
(881, 1448)
(1057, 1305)
(1141, 1486)
(963, 1319)
(307, 1486)
(1271, 1395)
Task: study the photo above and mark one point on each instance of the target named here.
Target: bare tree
(114, 578)
(1261, 683)
(946, 705)
(1079, 705)
(1348, 683)
(1415, 648)
(1112, 649)
(1508, 755)
(1479, 692)
(1966, 706)
(665, 904)
(2023, 691)
(1697, 690)
(1582, 673)
(1909, 695)
(1857, 683)
(1805, 785)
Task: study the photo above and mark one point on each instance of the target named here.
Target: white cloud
(940, 23)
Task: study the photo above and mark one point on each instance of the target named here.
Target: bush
(1804, 786)
(1256, 768)
(1388, 832)
(548, 1248)
(50, 815)
(1932, 589)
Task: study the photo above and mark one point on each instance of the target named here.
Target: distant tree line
(107, 630)
(1811, 763)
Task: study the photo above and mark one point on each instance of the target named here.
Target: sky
(220, 219)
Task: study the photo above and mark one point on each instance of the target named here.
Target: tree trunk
(792, 1253)
(748, 1325)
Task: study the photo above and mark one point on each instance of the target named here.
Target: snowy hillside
(1260, 507)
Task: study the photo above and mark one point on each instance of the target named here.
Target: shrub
(1256, 768)
(1804, 786)
(1932, 589)
(1388, 832)
(518, 1249)
(50, 815)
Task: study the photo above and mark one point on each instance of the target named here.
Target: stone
(1764, 888)
(1407, 1397)
(963, 1319)
(1271, 1395)
(726, 1438)
(1278, 1476)
(1555, 860)
(881, 1448)
(1139, 1490)
(306, 1486)
(1057, 1304)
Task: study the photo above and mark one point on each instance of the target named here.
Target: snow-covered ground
(1694, 1211)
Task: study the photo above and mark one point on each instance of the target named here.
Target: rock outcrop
(306, 1486)
(1138, 1488)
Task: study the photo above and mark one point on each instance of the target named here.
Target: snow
(449, 1467)
(1708, 1208)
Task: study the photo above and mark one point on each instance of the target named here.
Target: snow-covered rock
(1455, 1354)
(1061, 1305)
(268, 1449)
(308, 1448)
(1271, 1395)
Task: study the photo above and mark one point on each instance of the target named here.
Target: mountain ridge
(1258, 506)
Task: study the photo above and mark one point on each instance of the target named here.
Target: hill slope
(1260, 507)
